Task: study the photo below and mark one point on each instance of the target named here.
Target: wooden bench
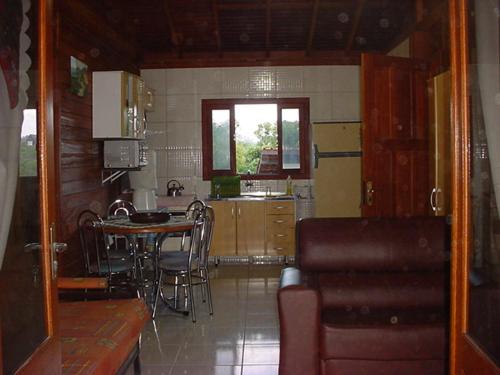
(100, 337)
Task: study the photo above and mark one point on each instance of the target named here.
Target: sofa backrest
(372, 244)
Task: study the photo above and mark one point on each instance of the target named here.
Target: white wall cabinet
(118, 101)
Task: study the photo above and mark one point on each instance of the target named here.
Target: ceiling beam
(175, 37)
(312, 27)
(355, 24)
(154, 60)
(268, 27)
(276, 5)
(434, 15)
(215, 13)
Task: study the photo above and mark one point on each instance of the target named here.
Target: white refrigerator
(337, 169)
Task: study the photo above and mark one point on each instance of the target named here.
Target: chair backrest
(121, 207)
(195, 209)
(207, 234)
(93, 242)
(195, 244)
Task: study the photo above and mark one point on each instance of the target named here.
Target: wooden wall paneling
(86, 35)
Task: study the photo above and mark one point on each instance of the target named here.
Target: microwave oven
(125, 154)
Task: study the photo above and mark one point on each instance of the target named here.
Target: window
(258, 138)
(28, 150)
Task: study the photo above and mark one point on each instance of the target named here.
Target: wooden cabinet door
(395, 147)
(439, 145)
(29, 341)
(251, 228)
(224, 239)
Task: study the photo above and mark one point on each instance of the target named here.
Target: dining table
(122, 225)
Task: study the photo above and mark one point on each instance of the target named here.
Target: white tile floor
(241, 338)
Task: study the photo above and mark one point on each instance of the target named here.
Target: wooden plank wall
(83, 33)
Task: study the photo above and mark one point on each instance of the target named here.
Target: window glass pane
(290, 147)
(256, 138)
(221, 145)
(27, 155)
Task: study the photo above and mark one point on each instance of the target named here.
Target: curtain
(14, 81)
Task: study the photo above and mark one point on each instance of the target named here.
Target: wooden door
(30, 342)
(251, 224)
(475, 286)
(395, 148)
(224, 238)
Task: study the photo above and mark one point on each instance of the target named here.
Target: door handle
(369, 192)
(55, 248)
(432, 199)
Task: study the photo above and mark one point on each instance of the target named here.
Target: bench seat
(98, 337)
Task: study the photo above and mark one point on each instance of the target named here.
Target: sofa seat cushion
(382, 290)
(369, 367)
(98, 336)
(383, 335)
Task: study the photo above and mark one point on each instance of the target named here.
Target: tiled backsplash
(175, 125)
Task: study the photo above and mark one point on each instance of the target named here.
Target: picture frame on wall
(79, 77)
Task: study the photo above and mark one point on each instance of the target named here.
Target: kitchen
(101, 36)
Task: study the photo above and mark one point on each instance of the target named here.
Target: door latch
(369, 192)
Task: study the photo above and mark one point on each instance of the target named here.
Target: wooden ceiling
(184, 29)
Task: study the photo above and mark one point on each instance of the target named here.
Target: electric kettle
(174, 188)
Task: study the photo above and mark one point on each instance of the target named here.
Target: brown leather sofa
(369, 297)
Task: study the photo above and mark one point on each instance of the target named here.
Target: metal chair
(189, 268)
(95, 247)
(120, 246)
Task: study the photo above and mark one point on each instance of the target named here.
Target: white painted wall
(175, 125)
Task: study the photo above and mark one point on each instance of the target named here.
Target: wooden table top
(122, 225)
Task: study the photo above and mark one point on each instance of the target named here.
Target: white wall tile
(346, 106)
(207, 81)
(235, 81)
(182, 107)
(160, 109)
(161, 163)
(320, 106)
(345, 78)
(262, 79)
(155, 79)
(318, 78)
(156, 139)
(289, 79)
(180, 81)
(156, 127)
(184, 134)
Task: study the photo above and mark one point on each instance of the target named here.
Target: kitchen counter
(255, 197)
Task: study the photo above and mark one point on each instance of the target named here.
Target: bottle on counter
(289, 188)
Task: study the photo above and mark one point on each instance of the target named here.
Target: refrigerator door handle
(333, 154)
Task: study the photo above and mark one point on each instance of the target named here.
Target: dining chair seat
(116, 266)
(177, 262)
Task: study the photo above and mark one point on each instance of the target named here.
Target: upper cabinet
(119, 100)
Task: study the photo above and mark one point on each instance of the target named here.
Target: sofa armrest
(299, 315)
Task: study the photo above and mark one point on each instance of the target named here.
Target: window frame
(208, 105)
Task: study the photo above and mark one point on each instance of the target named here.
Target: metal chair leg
(209, 292)
(191, 297)
(157, 293)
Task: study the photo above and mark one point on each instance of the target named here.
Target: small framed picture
(79, 77)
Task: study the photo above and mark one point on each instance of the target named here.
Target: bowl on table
(150, 217)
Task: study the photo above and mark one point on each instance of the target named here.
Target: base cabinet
(249, 228)
(280, 228)
(224, 237)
